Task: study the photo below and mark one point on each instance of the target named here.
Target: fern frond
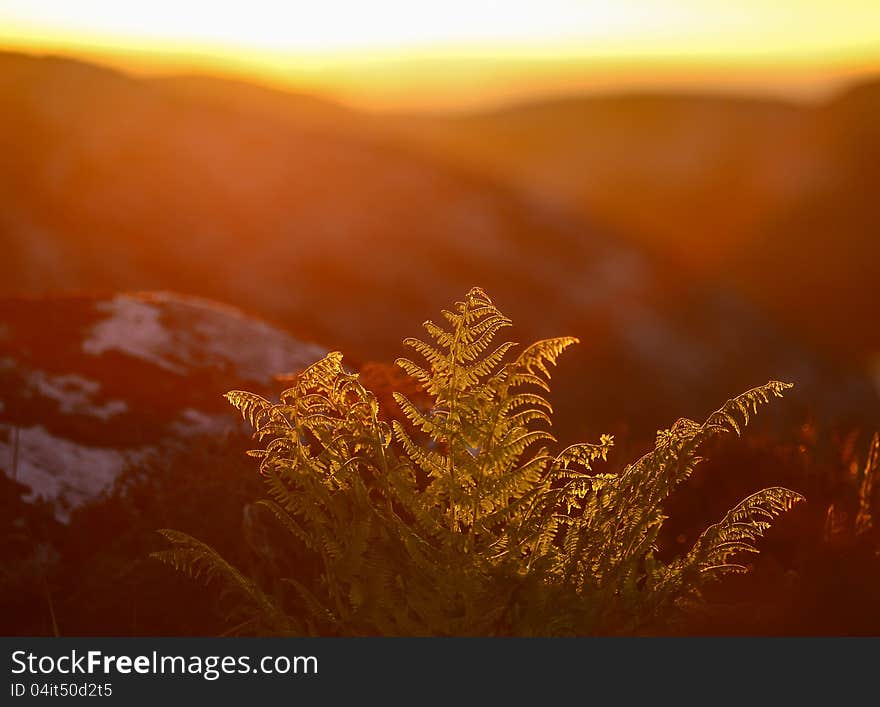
(445, 338)
(432, 355)
(515, 483)
(431, 462)
(738, 530)
(489, 363)
(746, 404)
(477, 337)
(584, 454)
(515, 401)
(253, 408)
(321, 375)
(433, 425)
(286, 521)
(535, 359)
(414, 371)
(200, 561)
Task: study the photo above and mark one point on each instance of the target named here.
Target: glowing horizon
(405, 54)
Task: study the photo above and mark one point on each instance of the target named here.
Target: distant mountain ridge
(774, 198)
(729, 185)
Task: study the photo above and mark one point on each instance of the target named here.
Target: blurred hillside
(350, 229)
(777, 199)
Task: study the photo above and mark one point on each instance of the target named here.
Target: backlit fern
(464, 521)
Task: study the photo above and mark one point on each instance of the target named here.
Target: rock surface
(91, 385)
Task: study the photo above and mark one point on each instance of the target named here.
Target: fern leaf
(200, 561)
(739, 528)
(746, 404)
(253, 408)
(584, 454)
(286, 521)
(543, 353)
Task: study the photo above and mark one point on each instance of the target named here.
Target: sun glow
(398, 50)
(333, 26)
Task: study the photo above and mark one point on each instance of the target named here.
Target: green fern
(200, 561)
(464, 521)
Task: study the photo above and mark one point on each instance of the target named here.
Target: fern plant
(464, 521)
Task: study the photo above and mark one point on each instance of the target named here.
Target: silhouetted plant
(463, 522)
(864, 519)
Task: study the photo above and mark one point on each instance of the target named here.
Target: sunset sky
(458, 53)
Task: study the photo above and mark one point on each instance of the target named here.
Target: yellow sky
(387, 53)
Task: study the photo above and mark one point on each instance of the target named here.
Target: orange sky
(466, 53)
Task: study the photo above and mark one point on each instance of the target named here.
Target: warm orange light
(407, 48)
